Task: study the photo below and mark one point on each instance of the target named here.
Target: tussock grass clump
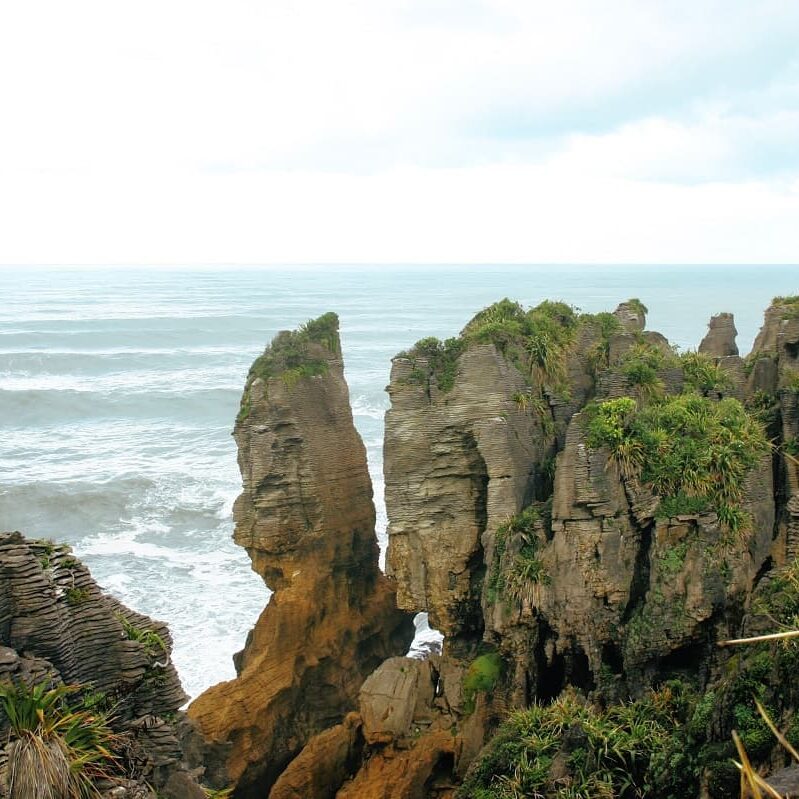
(573, 750)
(58, 750)
(703, 374)
(519, 581)
(607, 324)
(149, 639)
(688, 449)
(641, 364)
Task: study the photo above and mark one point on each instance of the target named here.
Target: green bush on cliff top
(288, 355)
(685, 446)
(790, 304)
(534, 341)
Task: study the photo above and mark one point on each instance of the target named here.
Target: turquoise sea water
(118, 390)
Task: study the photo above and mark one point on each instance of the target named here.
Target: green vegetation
(525, 575)
(607, 324)
(623, 751)
(687, 449)
(637, 305)
(661, 745)
(222, 793)
(46, 548)
(681, 504)
(790, 305)
(517, 582)
(481, 677)
(791, 446)
(790, 380)
(765, 406)
(527, 401)
(535, 341)
(149, 639)
(703, 375)
(640, 365)
(57, 748)
(76, 595)
(289, 356)
(442, 360)
(643, 362)
(673, 559)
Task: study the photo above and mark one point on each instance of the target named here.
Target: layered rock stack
(56, 626)
(306, 518)
(530, 534)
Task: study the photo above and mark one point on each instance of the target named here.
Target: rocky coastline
(585, 514)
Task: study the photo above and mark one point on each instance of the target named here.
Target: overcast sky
(386, 131)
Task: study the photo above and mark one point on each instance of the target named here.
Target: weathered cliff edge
(57, 627)
(542, 549)
(306, 518)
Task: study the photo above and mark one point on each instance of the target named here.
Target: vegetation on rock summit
(536, 341)
(290, 356)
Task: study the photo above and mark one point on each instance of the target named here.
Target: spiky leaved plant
(56, 751)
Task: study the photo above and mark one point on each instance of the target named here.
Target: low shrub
(687, 448)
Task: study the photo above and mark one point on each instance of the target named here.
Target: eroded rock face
(57, 626)
(306, 518)
(623, 599)
(632, 599)
(456, 465)
(720, 339)
(410, 739)
(628, 599)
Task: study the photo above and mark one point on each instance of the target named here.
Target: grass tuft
(691, 451)
(59, 750)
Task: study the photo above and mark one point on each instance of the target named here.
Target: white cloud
(398, 130)
(481, 214)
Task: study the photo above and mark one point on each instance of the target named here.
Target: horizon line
(301, 264)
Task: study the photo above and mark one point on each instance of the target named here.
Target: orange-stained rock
(306, 518)
(426, 771)
(325, 763)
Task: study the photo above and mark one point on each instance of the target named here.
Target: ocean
(119, 387)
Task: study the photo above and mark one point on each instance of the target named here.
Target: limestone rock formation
(720, 339)
(306, 518)
(631, 315)
(624, 596)
(410, 739)
(56, 626)
(324, 764)
(456, 464)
